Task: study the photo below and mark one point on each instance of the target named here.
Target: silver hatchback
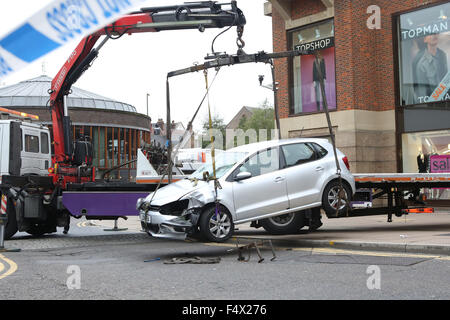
(272, 184)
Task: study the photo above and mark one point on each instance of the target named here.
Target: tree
(217, 124)
(262, 118)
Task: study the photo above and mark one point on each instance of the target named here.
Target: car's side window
(321, 151)
(263, 162)
(297, 153)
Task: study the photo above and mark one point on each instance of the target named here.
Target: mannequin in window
(319, 62)
(422, 162)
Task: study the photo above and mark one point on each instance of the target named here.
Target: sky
(132, 66)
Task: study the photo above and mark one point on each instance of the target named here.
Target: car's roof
(253, 147)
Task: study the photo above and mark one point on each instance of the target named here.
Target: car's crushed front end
(173, 218)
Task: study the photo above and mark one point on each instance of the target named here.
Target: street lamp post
(274, 88)
(148, 95)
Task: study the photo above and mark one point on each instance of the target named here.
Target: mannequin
(422, 162)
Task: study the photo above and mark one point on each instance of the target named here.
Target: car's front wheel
(216, 224)
(285, 224)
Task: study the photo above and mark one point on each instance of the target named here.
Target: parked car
(270, 183)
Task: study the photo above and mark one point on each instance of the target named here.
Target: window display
(428, 152)
(424, 50)
(307, 96)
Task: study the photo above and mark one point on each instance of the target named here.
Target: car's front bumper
(164, 226)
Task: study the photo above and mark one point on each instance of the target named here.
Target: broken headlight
(141, 204)
(175, 208)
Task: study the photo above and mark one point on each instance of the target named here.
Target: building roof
(245, 110)
(34, 93)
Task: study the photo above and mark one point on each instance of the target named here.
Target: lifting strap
(213, 152)
(213, 155)
(341, 192)
(169, 165)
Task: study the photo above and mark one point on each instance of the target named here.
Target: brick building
(382, 70)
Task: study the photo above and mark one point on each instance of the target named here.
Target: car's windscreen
(224, 162)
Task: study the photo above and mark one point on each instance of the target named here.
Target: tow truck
(64, 184)
(39, 203)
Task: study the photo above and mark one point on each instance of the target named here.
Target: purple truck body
(112, 204)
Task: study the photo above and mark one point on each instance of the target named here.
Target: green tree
(262, 118)
(218, 124)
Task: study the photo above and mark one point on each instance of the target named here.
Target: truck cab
(24, 148)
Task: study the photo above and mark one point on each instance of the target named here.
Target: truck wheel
(216, 228)
(330, 199)
(37, 230)
(11, 225)
(286, 223)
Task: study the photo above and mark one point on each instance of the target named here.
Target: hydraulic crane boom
(192, 15)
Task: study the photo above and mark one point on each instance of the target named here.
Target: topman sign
(316, 45)
(422, 31)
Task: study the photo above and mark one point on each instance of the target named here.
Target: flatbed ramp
(403, 178)
(401, 192)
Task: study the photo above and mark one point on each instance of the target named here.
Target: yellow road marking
(86, 224)
(12, 267)
(343, 251)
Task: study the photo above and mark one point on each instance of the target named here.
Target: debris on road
(195, 260)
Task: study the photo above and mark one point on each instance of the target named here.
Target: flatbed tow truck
(38, 203)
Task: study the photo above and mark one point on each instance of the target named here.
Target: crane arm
(191, 15)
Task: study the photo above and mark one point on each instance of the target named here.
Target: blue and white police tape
(60, 22)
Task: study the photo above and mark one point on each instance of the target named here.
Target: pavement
(413, 233)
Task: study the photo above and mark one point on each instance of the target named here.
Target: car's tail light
(347, 164)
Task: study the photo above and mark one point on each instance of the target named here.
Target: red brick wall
(364, 58)
(305, 8)
(281, 65)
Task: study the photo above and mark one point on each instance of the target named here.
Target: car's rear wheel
(285, 224)
(332, 202)
(216, 224)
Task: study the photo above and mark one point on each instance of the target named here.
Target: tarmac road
(90, 263)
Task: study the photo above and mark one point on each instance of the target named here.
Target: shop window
(428, 152)
(101, 147)
(306, 93)
(110, 146)
(424, 55)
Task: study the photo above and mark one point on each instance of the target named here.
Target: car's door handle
(319, 168)
(279, 179)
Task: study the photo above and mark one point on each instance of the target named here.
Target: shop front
(424, 97)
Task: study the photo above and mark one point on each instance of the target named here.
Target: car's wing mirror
(242, 176)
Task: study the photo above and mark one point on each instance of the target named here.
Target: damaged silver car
(271, 184)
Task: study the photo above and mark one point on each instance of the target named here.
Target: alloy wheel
(220, 224)
(333, 198)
